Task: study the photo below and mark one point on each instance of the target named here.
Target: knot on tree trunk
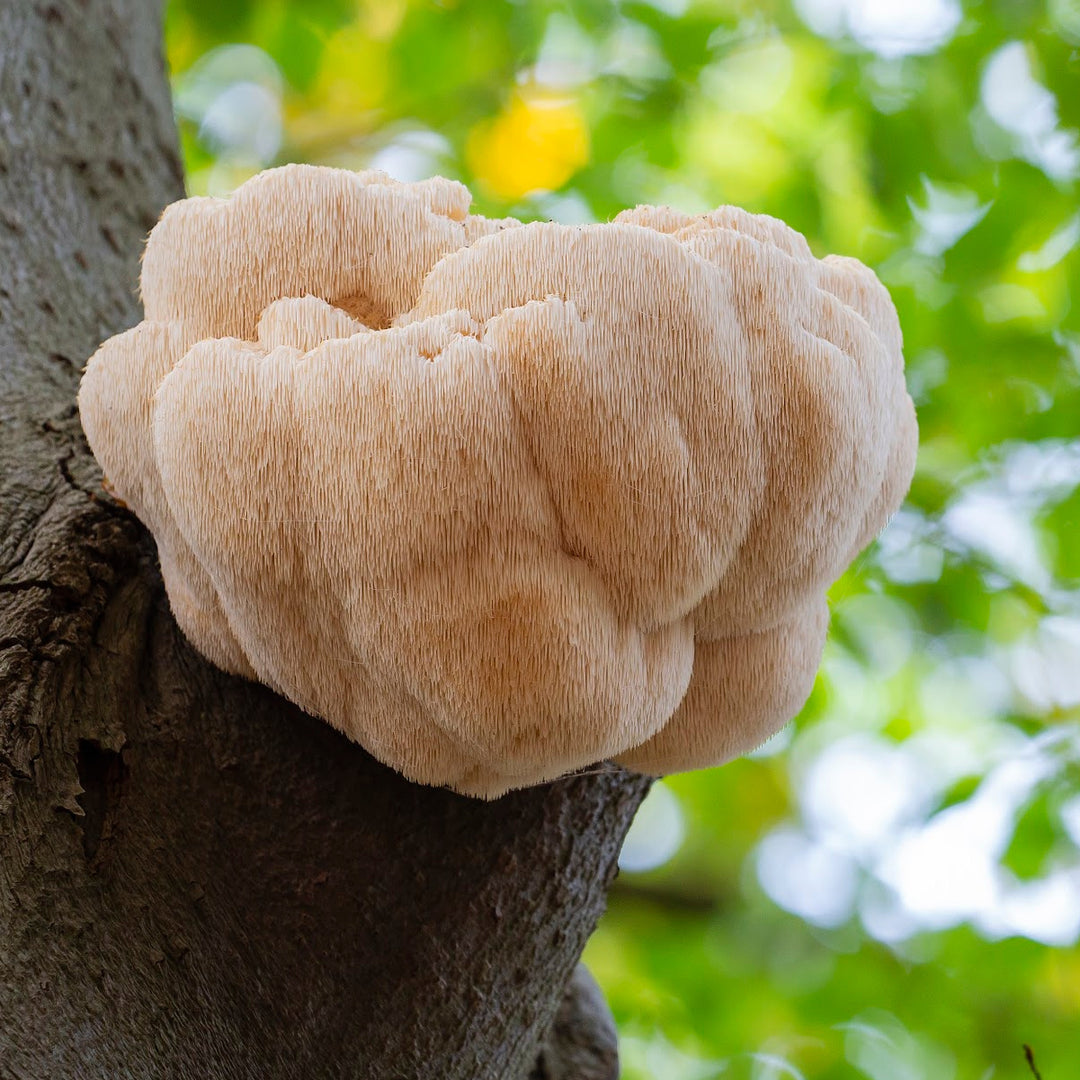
(582, 1043)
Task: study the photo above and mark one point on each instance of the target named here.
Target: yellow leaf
(536, 143)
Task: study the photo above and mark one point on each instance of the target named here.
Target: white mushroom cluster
(500, 501)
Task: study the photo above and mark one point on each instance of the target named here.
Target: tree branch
(197, 879)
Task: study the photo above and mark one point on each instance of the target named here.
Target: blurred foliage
(896, 894)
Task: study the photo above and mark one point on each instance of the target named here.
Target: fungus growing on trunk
(500, 501)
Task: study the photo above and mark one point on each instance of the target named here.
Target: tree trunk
(197, 879)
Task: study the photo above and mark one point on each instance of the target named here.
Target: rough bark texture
(198, 880)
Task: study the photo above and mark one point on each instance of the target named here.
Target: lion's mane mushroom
(498, 500)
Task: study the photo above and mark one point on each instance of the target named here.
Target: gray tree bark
(198, 880)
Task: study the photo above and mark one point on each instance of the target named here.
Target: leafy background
(890, 888)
